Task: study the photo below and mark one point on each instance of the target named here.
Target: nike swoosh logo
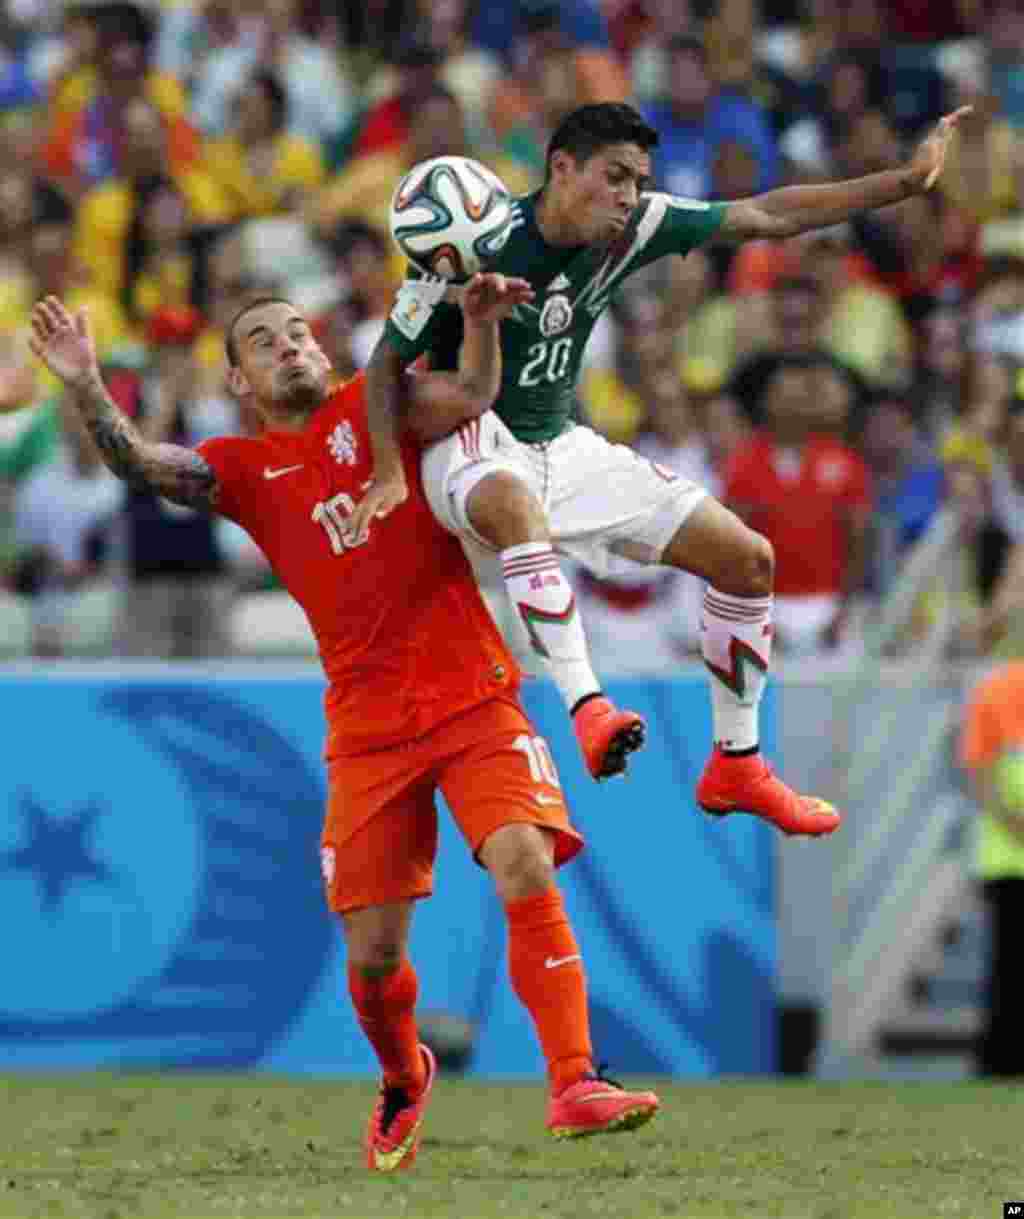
(542, 799)
(268, 473)
(554, 962)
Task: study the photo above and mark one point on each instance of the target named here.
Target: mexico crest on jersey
(342, 443)
(556, 316)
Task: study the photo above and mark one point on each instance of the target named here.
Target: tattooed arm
(66, 346)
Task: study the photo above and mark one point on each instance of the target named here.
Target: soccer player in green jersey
(524, 481)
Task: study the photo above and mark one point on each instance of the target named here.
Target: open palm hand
(63, 343)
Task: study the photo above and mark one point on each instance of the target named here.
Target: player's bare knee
(375, 937)
(759, 566)
(520, 859)
(746, 568)
(505, 512)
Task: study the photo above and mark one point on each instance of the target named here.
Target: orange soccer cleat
(607, 736)
(598, 1105)
(393, 1135)
(746, 784)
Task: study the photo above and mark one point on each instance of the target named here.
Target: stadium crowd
(161, 163)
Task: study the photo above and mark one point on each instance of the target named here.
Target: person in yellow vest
(105, 214)
(261, 167)
(992, 751)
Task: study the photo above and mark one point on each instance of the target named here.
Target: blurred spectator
(25, 202)
(915, 89)
(922, 251)
(550, 71)
(108, 212)
(63, 512)
(88, 137)
(793, 327)
(384, 126)
(177, 596)
(189, 33)
(334, 331)
(496, 26)
(319, 95)
(984, 174)
(997, 311)
(28, 433)
(361, 254)
(615, 401)
(987, 388)
(917, 22)
(939, 369)
(991, 746)
(851, 86)
(697, 118)
(261, 168)
(55, 272)
(907, 480)
(363, 190)
(863, 327)
(469, 70)
(820, 549)
(161, 257)
(1008, 475)
(1003, 33)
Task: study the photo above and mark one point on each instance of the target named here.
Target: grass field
(143, 1147)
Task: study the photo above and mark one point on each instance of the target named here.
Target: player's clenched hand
(64, 344)
(929, 159)
(490, 296)
(381, 498)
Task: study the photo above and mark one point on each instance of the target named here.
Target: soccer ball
(450, 216)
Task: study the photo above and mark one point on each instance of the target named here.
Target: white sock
(545, 607)
(736, 639)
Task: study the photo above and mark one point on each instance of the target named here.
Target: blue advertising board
(161, 899)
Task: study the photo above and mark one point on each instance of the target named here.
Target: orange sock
(547, 975)
(385, 1005)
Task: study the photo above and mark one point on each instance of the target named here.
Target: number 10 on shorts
(538, 758)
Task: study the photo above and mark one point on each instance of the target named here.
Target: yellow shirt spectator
(105, 214)
(259, 167)
(291, 166)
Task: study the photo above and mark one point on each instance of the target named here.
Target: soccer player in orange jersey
(422, 693)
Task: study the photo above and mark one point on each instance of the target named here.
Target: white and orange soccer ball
(450, 216)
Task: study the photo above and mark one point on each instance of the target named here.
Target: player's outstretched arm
(795, 209)
(66, 347)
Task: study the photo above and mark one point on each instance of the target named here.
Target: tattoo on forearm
(170, 470)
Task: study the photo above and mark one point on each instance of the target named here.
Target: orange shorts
(380, 835)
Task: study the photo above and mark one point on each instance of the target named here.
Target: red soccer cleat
(596, 1105)
(607, 736)
(393, 1135)
(746, 784)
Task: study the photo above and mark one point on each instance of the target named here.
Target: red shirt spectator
(805, 491)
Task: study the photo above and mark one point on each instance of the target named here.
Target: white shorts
(602, 500)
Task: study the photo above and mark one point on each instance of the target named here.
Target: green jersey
(542, 343)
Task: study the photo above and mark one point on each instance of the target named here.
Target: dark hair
(687, 44)
(271, 85)
(586, 130)
(123, 22)
(230, 346)
(136, 243)
(352, 232)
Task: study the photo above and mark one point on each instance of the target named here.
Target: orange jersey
(405, 639)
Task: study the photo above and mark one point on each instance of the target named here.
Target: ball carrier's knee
(376, 937)
(521, 860)
(503, 511)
